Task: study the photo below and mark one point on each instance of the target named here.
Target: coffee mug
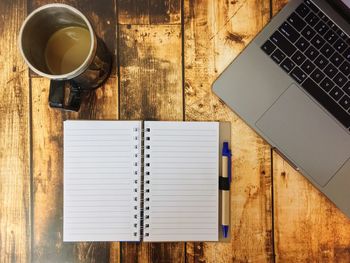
(58, 42)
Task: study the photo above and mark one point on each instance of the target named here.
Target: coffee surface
(67, 49)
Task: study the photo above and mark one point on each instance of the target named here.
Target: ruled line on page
(183, 176)
(99, 180)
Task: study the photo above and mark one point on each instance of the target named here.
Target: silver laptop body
(279, 109)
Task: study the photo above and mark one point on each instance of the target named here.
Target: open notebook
(134, 180)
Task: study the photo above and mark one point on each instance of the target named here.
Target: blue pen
(227, 153)
(224, 186)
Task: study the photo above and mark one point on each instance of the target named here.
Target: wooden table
(167, 54)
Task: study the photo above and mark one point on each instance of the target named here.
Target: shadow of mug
(90, 70)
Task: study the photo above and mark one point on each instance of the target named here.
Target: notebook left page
(102, 171)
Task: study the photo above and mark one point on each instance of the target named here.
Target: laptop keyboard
(315, 52)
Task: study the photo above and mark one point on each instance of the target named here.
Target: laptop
(292, 86)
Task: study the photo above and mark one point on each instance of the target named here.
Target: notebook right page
(181, 181)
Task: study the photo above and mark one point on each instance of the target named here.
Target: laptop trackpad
(306, 134)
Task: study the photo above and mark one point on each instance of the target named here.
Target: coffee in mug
(67, 49)
(57, 41)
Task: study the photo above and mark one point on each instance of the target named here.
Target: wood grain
(151, 89)
(48, 174)
(277, 5)
(308, 227)
(15, 215)
(215, 32)
(144, 12)
(151, 78)
(47, 149)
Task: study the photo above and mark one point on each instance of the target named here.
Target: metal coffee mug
(35, 32)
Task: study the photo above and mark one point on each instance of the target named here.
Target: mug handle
(57, 96)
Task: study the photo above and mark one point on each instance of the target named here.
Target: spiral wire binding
(141, 172)
(146, 182)
(137, 173)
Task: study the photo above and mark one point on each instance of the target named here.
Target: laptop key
(345, 68)
(311, 53)
(312, 19)
(333, 26)
(321, 28)
(327, 84)
(298, 58)
(268, 47)
(345, 102)
(317, 75)
(278, 56)
(308, 32)
(323, 17)
(346, 88)
(339, 31)
(336, 59)
(331, 36)
(287, 65)
(340, 79)
(308, 66)
(302, 10)
(295, 20)
(346, 54)
(336, 93)
(323, 98)
(311, 6)
(327, 50)
(321, 61)
(318, 41)
(298, 75)
(340, 45)
(302, 44)
(330, 70)
(342, 35)
(280, 41)
(289, 32)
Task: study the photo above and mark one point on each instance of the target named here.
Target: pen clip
(226, 152)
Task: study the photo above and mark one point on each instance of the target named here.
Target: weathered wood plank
(15, 215)
(150, 72)
(133, 11)
(144, 12)
(277, 5)
(308, 227)
(47, 150)
(114, 253)
(151, 89)
(48, 174)
(215, 32)
(165, 12)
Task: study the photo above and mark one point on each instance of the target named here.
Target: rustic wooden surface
(15, 156)
(167, 54)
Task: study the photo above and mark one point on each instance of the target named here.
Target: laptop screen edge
(342, 7)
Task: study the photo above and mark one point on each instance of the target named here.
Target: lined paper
(102, 171)
(181, 174)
